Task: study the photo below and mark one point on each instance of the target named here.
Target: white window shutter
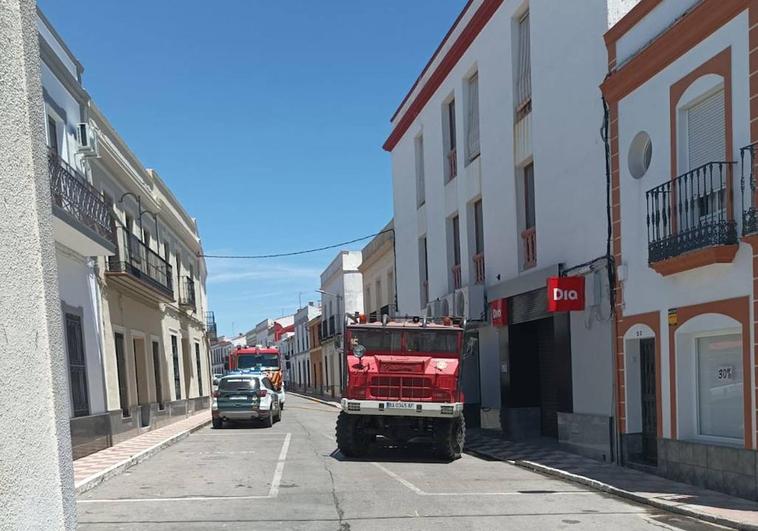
(706, 131)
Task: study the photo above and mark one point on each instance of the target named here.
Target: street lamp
(140, 210)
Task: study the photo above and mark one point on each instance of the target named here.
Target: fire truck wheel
(349, 439)
(218, 423)
(449, 436)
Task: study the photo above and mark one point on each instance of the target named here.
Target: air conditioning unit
(469, 302)
(86, 140)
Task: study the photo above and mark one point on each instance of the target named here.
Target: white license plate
(400, 405)
(237, 398)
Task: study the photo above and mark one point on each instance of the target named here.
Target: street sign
(565, 294)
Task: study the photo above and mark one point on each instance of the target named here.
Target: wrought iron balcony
(210, 326)
(691, 212)
(144, 269)
(187, 293)
(78, 203)
(748, 186)
(456, 275)
(478, 268)
(529, 241)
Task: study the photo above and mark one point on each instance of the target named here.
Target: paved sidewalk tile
(546, 456)
(99, 462)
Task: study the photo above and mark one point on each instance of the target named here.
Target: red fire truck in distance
(257, 360)
(403, 384)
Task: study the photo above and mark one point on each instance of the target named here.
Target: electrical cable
(295, 253)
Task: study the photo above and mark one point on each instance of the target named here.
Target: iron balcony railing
(455, 272)
(138, 260)
(690, 212)
(748, 186)
(210, 325)
(478, 268)
(74, 195)
(529, 243)
(187, 293)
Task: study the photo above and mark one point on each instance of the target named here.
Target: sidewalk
(323, 399)
(643, 488)
(91, 470)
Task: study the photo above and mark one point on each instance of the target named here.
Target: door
(77, 366)
(647, 395)
(157, 374)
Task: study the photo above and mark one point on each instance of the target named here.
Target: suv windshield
(431, 341)
(251, 361)
(238, 384)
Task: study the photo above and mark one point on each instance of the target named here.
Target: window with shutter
(706, 142)
(77, 365)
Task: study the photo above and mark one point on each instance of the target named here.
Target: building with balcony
(83, 228)
(341, 294)
(378, 273)
(131, 281)
(683, 124)
(310, 368)
(498, 185)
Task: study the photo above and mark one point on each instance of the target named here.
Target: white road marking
(421, 492)
(272, 493)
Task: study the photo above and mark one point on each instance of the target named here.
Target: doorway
(648, 401)
(141, 376)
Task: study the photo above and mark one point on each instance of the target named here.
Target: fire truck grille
(401, 387)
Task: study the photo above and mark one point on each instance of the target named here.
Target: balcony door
(706, 142)
(77, 366)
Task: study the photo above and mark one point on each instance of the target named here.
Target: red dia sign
(565, 294)
(499, 312)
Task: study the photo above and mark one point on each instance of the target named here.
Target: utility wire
(295, 253)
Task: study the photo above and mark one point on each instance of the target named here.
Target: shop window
(719, 378)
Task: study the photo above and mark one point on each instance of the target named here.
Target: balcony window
(472, 118)
(420, 182)
(187, 293)
(455, 236)
(451, 159)
(523, 72)
(423, 271)
(478, 257)
(529, 234)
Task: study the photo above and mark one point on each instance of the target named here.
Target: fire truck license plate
(400, 405)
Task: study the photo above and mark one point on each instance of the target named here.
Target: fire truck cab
(403, 384)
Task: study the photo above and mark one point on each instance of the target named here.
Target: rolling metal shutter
(706, 131)
(528, 306)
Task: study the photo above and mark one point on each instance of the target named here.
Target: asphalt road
(292, 477)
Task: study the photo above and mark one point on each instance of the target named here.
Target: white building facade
(498, 184)
(131, 281)
(342, 293)
(300, 358)
(682, 130)
(378, 275)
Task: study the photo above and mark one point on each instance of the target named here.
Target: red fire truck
(403, 384)
(257, 360)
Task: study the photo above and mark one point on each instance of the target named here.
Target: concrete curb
(621, 493)
(313, 399)
(119, 468)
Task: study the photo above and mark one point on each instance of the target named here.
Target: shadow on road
(388, 453)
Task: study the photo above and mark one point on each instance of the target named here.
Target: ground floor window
(199, 370)
(175, 358)
(77, 365)
(720, 399)
(121, 373)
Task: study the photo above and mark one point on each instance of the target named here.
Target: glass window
(249, 361)
(381, 340)
(719, 367)
(431, 341)
(238, 384)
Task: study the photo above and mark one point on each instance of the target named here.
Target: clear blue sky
(266, 119)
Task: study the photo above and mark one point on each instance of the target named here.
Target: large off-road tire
(449, 437)
(218, 423)
(350, 441)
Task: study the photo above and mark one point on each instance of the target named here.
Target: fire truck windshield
(389, 340)
(252, 361)
(431, 341)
